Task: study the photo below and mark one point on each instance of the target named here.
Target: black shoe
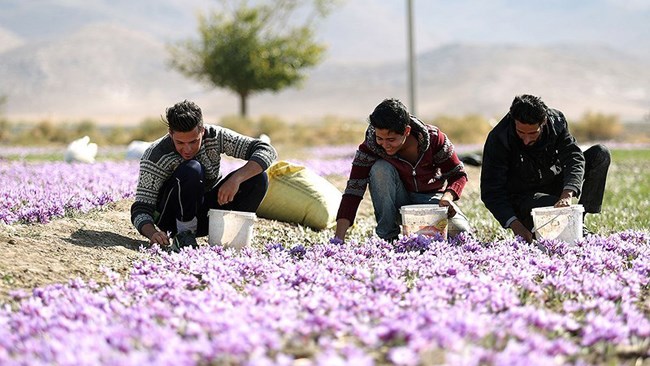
(586, 232)
(392, 239)
(184, 239)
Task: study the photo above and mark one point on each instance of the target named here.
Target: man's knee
(189, 170)
(598, 155)
(382, 171)
(259, 181)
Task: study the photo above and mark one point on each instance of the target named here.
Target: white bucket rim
(249, 215)
(414, 209)
(558, 210)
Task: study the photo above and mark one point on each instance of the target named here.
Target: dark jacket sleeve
(494, 176)
(570, 155)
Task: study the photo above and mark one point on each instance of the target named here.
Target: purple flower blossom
(414, 301)
(298, 251)
(38, 192)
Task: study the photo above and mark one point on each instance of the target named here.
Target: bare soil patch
(35, 255)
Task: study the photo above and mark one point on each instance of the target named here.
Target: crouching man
(180, 178)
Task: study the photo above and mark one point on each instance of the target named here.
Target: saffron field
(299, 297)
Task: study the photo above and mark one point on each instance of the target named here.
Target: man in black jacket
(531, 160)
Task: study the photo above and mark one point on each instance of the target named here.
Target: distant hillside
(483, 79)
(462, 79)
(113, 74)
(101, 72)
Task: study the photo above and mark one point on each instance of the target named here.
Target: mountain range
(114, 74)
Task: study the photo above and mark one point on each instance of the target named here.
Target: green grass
(627, 194)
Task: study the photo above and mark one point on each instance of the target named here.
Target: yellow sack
(297, 194)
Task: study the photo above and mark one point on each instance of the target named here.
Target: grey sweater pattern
(160, 160)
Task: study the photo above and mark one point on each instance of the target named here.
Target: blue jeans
(183, 197)
(388, 195)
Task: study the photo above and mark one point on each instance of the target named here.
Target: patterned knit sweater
(161, 159)
(438, 168)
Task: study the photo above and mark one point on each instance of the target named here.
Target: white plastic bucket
(561, 223)
(424, 220)
(230, 228)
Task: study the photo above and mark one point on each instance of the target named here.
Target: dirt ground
(67, 248)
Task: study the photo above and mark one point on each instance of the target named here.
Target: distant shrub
(44, 131)
(271, 125)
(149, 129)
(596, 127)
(342, 131)
(119, 135)
(329, 130)
(5, 130)
(470, 129)
(243, 125)
(89, 128)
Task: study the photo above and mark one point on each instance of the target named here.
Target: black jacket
(511, 169)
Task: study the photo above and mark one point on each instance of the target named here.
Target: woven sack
(298, 195)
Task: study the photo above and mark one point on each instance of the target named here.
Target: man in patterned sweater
(180, 178)
(404, 162)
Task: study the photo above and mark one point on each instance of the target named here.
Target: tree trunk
(243, 105)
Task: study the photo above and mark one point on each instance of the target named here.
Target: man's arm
(520, 230)
(342, 226)
(450, 166)
(354, 190)
(230, 187)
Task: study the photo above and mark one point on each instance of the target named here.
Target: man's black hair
(184, 116)
(528, 109)
(390, 115)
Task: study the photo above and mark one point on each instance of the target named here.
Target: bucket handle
(546, 223)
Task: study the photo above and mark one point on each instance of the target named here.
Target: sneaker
(586, 232)
(184, 239)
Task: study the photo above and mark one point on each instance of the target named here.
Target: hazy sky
(377, 28)
(371, 30)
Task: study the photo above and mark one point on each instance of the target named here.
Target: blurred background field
(329, 131)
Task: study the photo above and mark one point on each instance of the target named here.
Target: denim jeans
(597, 160)
(388, 195)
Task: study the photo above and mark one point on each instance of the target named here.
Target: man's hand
(159, 238)
(447, 200)
(155, 236)
(230, 187)
(227, 191)
(565, 199)
(520, 230)
(342, 226)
